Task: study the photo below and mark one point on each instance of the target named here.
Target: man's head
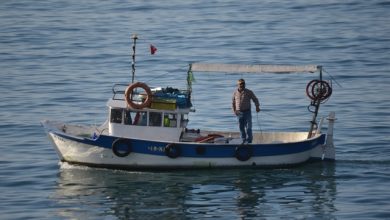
(241, 84)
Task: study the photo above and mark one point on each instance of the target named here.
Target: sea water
(59, 60)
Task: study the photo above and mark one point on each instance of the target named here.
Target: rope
(162, 75)
(332, 78)
(258, 122)
(287, 119)
(156, 77)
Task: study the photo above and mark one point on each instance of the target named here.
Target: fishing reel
(318, 90)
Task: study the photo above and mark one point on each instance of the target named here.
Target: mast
(134, 37)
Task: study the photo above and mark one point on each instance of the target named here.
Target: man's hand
(257, 108)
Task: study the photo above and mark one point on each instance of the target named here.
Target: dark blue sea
(59, 60)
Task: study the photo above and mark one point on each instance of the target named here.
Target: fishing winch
(319, 92)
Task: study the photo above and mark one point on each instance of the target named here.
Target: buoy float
(129, 93)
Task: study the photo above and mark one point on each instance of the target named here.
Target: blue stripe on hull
(203, 150)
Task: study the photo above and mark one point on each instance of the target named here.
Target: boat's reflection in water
(99, 193)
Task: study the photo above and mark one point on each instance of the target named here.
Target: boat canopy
(239, 68)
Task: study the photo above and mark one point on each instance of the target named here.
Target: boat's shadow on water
(234, 193)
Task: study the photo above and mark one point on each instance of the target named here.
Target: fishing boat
(147, 129)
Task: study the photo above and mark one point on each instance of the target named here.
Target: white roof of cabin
(118, 103)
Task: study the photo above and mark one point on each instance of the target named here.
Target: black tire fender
(172, 150)
(121, 147)
(243, 152)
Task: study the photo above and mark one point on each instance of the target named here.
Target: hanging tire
(121, 147)
(172, 150)
(243, 152)
(129, 93)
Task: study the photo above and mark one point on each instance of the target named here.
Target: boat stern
(326, 151)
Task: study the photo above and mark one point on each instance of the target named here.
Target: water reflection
(227, 194)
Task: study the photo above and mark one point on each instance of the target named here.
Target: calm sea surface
(59, 59)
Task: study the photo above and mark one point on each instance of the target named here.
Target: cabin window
(140, 118)
(155, 119)
(134, 117)
(116, 115)
(170, 120)
(129, 115)
(184, 120)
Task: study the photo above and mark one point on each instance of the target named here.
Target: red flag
(153, 49)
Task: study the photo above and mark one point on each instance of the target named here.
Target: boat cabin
(161, 121)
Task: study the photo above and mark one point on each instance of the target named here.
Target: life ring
(121, 147)
(172, 150)
(129, 94)
(243, 153)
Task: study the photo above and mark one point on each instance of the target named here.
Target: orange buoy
(129, 93)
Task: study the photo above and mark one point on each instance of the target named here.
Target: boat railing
(118, 90)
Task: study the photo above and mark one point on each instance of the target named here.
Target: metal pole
(313, 122)
(316, 104)
(134, 37)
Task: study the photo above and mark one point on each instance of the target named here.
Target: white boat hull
(76, 151)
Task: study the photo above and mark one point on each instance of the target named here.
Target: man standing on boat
(241, 104)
